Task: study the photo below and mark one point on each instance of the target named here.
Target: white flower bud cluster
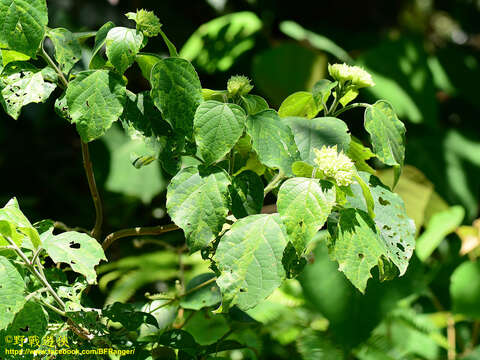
(358, 77)
(334, 165)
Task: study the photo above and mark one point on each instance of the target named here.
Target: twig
(351, 106)
(87, 164)
(154, 230)
(50, 62)
(272, 184)
(452, 353)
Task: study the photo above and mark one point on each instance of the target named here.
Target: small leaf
(12, 290)
(122, 45)
(126, 315)
(439, 226)
(177, 92)
(322, 90)
(465, 289)
(217, 128)
(247, 194)
(145, 62)
(23, 24)
(253, 104)
(304, 205)
(359, 153)
(67, 48)
(20, 85)
(249, 258)
(315, 133)
(97, 61)
(179, 339)
(301, 104)
(80, 251)
(13, 223)
(204, 297)
(272, 140)
(387, 133)
(95, 100)
(197, 201)
(302, 169)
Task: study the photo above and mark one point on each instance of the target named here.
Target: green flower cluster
(358, 77)
(335, 165)
(239, 85)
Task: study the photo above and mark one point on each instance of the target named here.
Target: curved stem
(87, 164)
(272, 184)
(153, 230)
(50, 62)
(351, 106)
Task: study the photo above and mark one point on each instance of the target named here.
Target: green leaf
(197, 201)
(249, 258)
(322, 90)
(30, 321)
(177, 92)
(22, 84)
(272, 140)
(126, 315)
(204, 297)
(23, 24)
(439, 226)
(304, 205)
(218, 43)
(303, 169)
(80, 251)
(301, 104)
(367, 195)
(145, 62)
(359, 154)
(247, 194)
(179, 339)
(13, 223)
(97, 61)
(95, 99)
(387, 133)
(315, 133)
(8, 56)
(207, 328)
(396, 229)
(253, 104)
(217, 128)
(12, 290)
(122, 45)
(67, 48)
(465, 289)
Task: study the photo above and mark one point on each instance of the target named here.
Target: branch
(273, 183)
(50, 62)
(351, 106)
(154, 230)
(87, 164)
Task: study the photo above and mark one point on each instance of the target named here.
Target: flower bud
(334, 165)
(358, 77)
(239, 85)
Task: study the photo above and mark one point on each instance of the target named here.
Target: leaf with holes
(249, 258)
(272, 140)
(20, 85)
(122, 46)
(30, 321)
(217, 128)
(95, 100)
(304, 205)
(80, 251)
(197, 201)
(12, 290)
(23, 24)
(177, 92)
(315, 133)
(67, 48)
(395, 227)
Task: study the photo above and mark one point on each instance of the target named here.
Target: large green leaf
(22, 84)
(95, 100)
(439, 226)
(304, 205)
(465, 289)
(249, 258)
(197, 201)
(216, 44)
(67, 48)
(23, 24)
(217, 128)
(247, 194)
(387, 133)
(300, 104)
(97, 61)
(122, 45)
(80, 251)
(396, 229)
(12, 290)
(273, 140)
(315, 133)
(30, 321)
(177, 92)
(13, 224)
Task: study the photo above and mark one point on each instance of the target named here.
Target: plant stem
(153, 230)
(351, 106)
(273, 183)
(199, 286)
(50, 62)
(452, 353)
(87, 164)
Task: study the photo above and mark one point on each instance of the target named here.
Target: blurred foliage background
(424, 57)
